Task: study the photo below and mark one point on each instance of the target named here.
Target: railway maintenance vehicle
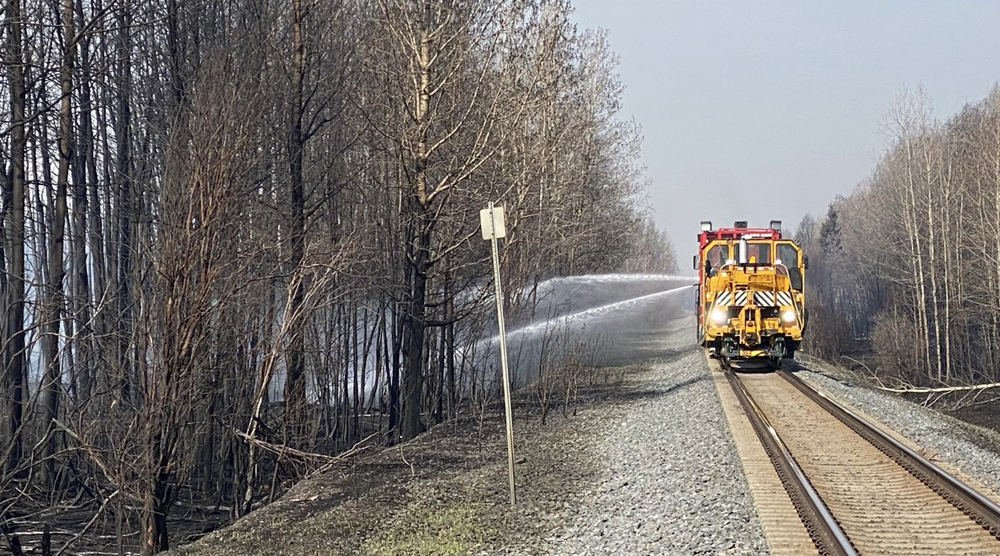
(750, 294)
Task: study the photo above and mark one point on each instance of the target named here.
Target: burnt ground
(985, 414)
(445, 492)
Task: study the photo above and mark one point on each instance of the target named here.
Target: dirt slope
(446, 492)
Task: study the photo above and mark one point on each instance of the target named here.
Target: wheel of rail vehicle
(725, 363)
(778, 352)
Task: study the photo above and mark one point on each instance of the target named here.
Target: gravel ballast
(670, 481)
(947, 438)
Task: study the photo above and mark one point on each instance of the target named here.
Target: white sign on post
(491, 219)
(492, 225)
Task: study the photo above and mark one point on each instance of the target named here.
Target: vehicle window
(788, 255)
(759, 252)
(716, 257)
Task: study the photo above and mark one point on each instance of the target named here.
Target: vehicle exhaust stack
(743, 250)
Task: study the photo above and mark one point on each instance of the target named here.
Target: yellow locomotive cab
(750, 293)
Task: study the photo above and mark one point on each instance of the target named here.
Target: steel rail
(823, 529)
(981, 509)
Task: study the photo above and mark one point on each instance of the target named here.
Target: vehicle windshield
(715, 258)
(759, 253)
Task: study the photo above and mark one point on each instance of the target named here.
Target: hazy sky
(760, 110)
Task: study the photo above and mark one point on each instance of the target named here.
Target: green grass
(440, 531)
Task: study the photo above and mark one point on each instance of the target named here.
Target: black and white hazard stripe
(737, 299)
(772, 299)
(763, 299)
(723, 299)
(741, 298)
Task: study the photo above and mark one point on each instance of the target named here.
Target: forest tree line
(905, 271)
(230, 227)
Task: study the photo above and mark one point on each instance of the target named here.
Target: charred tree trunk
(416, 326)
(53, 313)
(295, 388)
(82, 370)
(13, 352)
(418, 248)
(124, 204)
(394, 376)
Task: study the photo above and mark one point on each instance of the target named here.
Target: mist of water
(587, 314)
(596, 278)
(601, 334)
(563, 308)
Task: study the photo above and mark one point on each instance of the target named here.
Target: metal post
(503, 358)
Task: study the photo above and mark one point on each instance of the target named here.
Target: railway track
(856, 489)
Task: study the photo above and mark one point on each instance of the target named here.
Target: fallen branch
(872, 374)
(90, 523)
(13, 542)
(413, 472)
(88, 449)
(940, 390)
(283, 451)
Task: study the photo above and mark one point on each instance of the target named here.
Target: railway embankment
(643, 462)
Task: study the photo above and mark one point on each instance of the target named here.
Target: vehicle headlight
(788, 316)
(719, 316)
